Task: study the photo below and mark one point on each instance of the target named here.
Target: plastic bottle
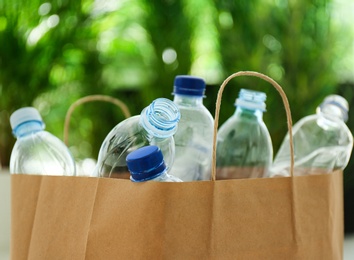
(322, 141)
(147, 164)
(37, 151)
(244, 146)
(154, 126)
(194, 137)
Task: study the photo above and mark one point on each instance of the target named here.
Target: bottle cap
(145, 163)
(189, 85)
(23, 115)
(251, 99)
(339, 102)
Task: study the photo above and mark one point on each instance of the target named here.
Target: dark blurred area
(53, 53)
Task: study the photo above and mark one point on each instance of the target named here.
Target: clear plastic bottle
(322, 142)
(156, 125)
(147, 164)
(244, 146)
(37, 151)
(194, 137)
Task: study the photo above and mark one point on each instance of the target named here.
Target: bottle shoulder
(198, 109)
(124, 132)
(236, 122)
(193, 124)
(196, 114)
(127, 123)
(310, 133)
(129, 126)
(316, 124)
(41, 139)
(125, 137)
(41, 153)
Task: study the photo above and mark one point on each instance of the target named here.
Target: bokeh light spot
(53, 21)
(44, 9)
(169, 56)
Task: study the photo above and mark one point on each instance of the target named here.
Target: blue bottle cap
(145, 163)
(189, 85)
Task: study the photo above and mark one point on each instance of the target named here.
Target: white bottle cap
(24, 114)
(340, 102)
(337, 100)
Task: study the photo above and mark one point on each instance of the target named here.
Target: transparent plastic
(244, 146)
(165, 177)
(154, 126)
(194, 137)
(37, 151)
(322, 142)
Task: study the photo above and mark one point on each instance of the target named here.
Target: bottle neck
(160, 118)
(249, 113)
(162, 175)
(28, 128)
(188, 101)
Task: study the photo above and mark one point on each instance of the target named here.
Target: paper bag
(97, 218)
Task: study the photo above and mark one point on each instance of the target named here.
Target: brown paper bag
(95, 218)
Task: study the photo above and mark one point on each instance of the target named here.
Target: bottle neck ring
(28, 128)
(188, 100)
(148, 175)
(250, 112)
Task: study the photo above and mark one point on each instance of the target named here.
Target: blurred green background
(53, 53)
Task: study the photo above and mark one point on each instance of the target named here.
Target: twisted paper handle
(92, 98)
(217, 112)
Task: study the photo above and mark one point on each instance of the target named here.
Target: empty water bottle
(37, 151)
(194, 137)
(156, 125)
(322, 142)
(244, 147)
(147, 164)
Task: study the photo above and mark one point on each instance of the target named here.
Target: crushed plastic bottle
(322, 141)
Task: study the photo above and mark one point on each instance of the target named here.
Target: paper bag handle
(217, 111)
(92, 98)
